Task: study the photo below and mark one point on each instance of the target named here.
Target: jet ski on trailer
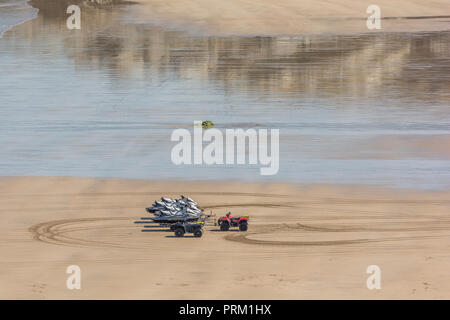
(169, 219)
(170, 211)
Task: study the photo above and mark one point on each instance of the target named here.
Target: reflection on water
(103, 101)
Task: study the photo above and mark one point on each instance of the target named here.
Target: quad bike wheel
(198, 233)
(179, 232)
(224, 226)
(243, 226)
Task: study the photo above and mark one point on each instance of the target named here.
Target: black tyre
(179, 232)
(243, 226)
(224, 226)
(198, 233)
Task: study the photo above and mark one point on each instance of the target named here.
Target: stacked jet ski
(169, 210)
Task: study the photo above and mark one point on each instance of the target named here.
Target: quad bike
(228, 221)
(180, 228)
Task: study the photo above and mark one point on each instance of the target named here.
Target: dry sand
(272, 17)
(303, 242)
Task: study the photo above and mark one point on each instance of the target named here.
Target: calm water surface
(104, 100)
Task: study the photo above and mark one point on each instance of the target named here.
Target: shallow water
(104, 100)
(14, 12)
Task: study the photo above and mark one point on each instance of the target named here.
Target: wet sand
(270, 17)
(304, 241)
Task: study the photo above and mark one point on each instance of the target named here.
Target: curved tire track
(243, 237)
(58, 231)
(55, 232)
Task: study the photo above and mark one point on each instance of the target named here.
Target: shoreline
(9, 27)
(291, 184)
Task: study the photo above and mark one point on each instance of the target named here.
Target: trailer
(181, 228)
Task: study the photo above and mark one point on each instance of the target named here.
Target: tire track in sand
(263, 229)
(58, 231)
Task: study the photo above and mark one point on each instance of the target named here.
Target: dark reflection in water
(348, 107)
(398, 65)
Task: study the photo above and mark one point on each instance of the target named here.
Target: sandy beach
(292, 17)
(304, 241)
(364, 158)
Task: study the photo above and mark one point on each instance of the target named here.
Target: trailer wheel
(198, 233)
(179, 232)
(243, 226)
(224, 226)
